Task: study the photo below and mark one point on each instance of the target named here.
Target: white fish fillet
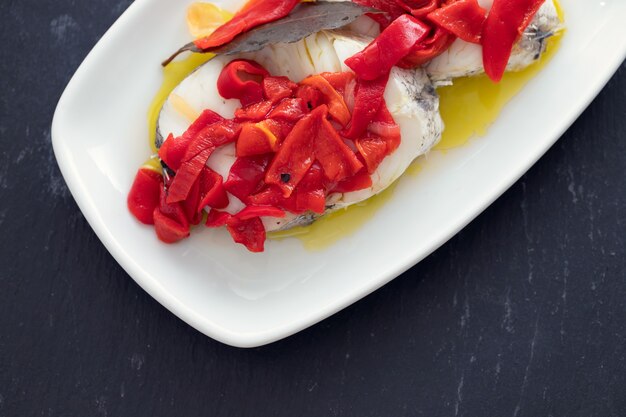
(465, 59)
(410, 97)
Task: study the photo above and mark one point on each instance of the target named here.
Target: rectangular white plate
(99, 137)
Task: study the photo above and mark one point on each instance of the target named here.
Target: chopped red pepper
(393, 44)
(253, 14)
(360, 181)
(254, 112)
(463, 18)
(242, 79)
(250, 233)
(170, 220)
(312, 138)
(173, 149)
(246, 175)
(336, 105)
(505, 22)
(437, 43)
(144, 195)
(167, 230)
(310, 195)
(212, 191)
(199, 151)
(338, 161)
(368, 100)
(290, 109)
(251, 212)
(419, 8)
(391, 7)
(256, 139)
(278, 88)
(217, 218)
(312, 97)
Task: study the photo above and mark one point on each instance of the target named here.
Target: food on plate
(267, 135)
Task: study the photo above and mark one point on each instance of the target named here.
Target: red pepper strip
(506, 21)
(433, 46)
(144, 195)
(217, 219)
(253, 14)
(167, 230)
(419, 8)
(251, 212)
(173, 149)
(295, 156)
(463, 18)
(369, 97)
(278, 88)
(310, 195)
(174, 211)
(212, 191)
(186, 176)
(360, 181)
(170, 221)
(246, 175)
(393, 44)
(312, 97)
(250, 233)
(384, 126)
(256, 139)
(312, 138)
(253, 113)
(338, 80)
(290, 109)
(338, 161)
(373, 149)
(197, 155)
(391, 7)
(336, 106)
(241, 79)
(190, 205)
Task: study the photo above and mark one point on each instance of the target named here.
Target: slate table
(522, 314)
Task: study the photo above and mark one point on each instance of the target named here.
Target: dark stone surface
(521, 314)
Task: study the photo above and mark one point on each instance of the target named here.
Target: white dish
(242, 299)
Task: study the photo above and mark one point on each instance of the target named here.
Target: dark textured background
(521, 314)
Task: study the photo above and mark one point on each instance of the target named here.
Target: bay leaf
(304, 20)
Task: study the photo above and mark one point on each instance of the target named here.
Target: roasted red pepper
(391, 7)
(251, 212)
(336, 105)
(434, 45)
(253, 14)
(312, 139)
(198, 152)
(212, 191)
(250, 233)
(505, 23)
(463, 18)
(144, 195)
(394, 43)
(246, 175)
(419, 8)
(242, 79)
(369, 97)
(278, 88)
(290, 110)
(170, 220)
